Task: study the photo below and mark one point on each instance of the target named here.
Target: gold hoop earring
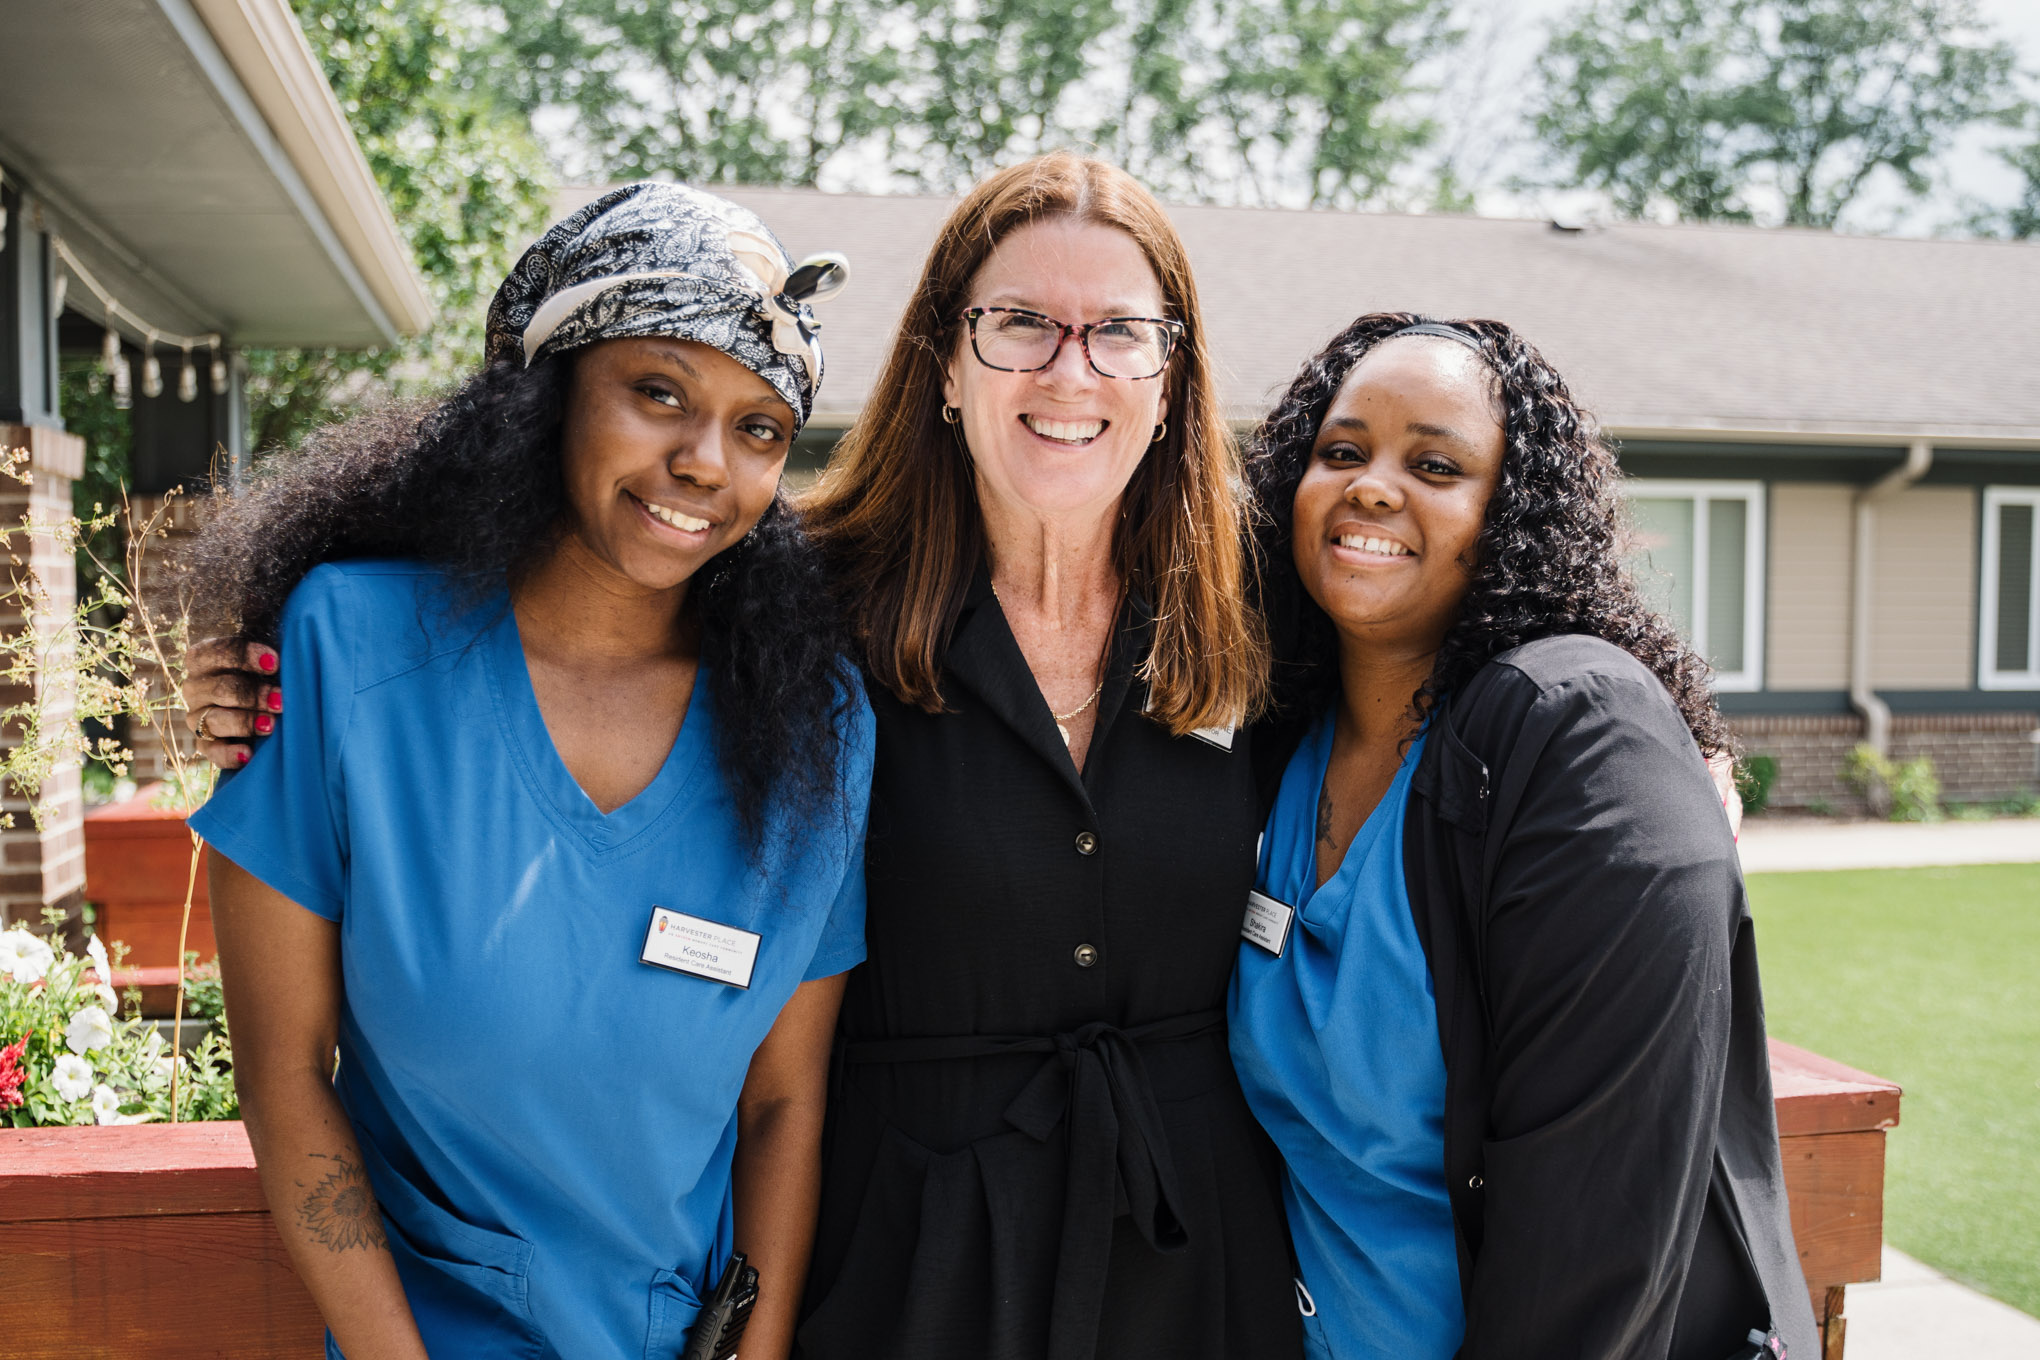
(1161, 431)
(950, 415)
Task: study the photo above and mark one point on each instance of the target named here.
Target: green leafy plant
(69, 1055)
(1912, 787)
(1754, 778)
(203, 997)
(111, 658)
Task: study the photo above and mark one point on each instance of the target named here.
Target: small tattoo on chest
(1324, 817)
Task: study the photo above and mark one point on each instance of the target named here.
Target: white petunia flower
(72, 1078)
(23, 957)
(90, 1028)
(105, 1104)
(103, 968)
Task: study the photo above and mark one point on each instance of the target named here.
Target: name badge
(1267, 923)
(703, 949)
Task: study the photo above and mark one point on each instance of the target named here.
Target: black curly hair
(474, 483)
(1549, 558)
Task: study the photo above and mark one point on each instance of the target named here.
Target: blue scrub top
(547, 1121)
(1336, 1043)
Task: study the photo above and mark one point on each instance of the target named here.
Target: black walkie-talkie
(721, 1322)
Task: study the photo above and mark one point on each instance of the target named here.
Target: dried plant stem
(183, 929)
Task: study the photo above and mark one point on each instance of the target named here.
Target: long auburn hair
(897, 511)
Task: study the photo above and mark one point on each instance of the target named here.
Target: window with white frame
(1699, 558)
(2008, 633)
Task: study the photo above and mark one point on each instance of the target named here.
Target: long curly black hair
(474, 483)
(1549, 559)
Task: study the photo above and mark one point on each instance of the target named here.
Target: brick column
(46, 866)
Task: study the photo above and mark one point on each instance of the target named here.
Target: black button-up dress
(1037, 1146)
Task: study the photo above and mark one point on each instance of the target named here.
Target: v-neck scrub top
(1336, 1043)
(547, 1121)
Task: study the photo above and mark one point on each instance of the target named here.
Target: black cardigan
(1609, 1133)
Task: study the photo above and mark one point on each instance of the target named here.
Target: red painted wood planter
(137, 862)
(150, 1241)
(1831, 1124)
(154, 1240)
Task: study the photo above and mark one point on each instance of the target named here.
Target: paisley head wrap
(666, 259)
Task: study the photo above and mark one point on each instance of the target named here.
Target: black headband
(1439, 328)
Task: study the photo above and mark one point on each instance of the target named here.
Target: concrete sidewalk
(1773, 845)
(1915, 1311)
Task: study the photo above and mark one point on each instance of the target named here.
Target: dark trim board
(1854, 465)
(1824, 702)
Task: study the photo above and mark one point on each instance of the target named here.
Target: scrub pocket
(466, 1285)
(1315, 1347)
(673, 1309)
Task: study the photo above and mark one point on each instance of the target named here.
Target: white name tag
(1267, 923)
(1221, 737)
(703, 949)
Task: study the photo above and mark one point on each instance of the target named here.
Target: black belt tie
(1096, 1082)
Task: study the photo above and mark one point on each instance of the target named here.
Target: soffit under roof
(149, 159)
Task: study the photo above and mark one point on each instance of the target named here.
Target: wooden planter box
(137, 862)
(155, 1241)
(151, 1240)
(1831, 1123)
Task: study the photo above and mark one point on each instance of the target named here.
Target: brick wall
(1979, 756)
(42, 866)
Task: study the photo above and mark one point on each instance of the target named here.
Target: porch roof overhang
(192, 156)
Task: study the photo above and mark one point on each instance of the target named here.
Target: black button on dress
(1037, 1147)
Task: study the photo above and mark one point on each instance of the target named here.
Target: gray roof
(1670, 331)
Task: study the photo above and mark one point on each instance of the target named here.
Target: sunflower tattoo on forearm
(340, 1212)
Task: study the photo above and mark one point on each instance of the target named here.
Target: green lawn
(1931, 978)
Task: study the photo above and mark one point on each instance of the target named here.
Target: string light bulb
(152, 369)
(187, 379)
(109, 349)
(219, 372)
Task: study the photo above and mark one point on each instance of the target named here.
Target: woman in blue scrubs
(562, 846)
(1499, 1007)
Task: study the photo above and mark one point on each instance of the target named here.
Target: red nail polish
(276, 701)
(240, 757)
(263, 724)
(267, 661)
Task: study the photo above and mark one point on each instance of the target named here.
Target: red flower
(11, 1073)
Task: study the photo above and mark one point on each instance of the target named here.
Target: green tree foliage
(2020, 220)
(1244, 101)
(1719, 109)
(464, 179)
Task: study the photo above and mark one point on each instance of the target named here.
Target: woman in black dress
(1037, 1144)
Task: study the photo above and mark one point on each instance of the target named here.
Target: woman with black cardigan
(1499, 1006)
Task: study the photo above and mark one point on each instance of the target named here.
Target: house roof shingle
(1674, 331)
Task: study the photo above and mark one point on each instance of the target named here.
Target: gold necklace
(1062, 718)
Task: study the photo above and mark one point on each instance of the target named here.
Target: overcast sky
(1508, 34)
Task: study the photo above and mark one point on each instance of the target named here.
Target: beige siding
(1807, 618)
(1923, 602)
